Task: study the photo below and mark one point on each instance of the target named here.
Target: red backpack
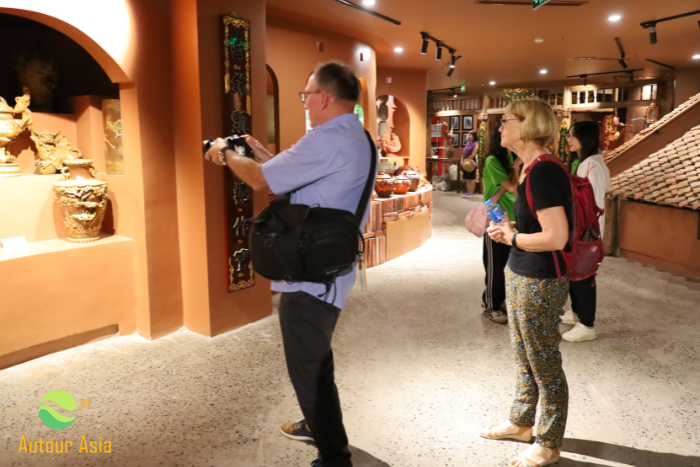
(584, 251)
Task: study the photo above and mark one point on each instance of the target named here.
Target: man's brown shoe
(298, 431)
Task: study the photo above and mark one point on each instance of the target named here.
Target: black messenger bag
(299, 243)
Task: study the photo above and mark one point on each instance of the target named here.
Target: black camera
(235, 142)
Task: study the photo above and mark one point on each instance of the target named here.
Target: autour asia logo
(58, 421)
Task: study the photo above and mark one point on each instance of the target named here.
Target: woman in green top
(498, 174)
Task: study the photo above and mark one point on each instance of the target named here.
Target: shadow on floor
(623, 455)
(361, 458)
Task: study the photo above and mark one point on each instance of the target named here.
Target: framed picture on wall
(467, 122)
(454, 122)
(455, 140)
(465, 135)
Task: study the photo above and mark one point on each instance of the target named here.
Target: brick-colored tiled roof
(670, 177)
(647, 132)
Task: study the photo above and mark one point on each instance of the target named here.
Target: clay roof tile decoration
(669, 177)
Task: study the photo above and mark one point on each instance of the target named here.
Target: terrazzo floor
(418, 368)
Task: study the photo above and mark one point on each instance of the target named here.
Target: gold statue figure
(52, 150)
(10, 128)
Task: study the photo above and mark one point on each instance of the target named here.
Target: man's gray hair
(337, 78)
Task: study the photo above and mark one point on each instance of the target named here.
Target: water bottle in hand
(495, 212)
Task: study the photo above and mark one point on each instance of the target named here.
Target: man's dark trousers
(307, 326)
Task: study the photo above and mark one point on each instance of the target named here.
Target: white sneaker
(569, 317)
(580, 333)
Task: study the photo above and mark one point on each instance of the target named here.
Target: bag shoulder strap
(531, 201)
(370, 182)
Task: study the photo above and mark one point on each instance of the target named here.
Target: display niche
(47, 81)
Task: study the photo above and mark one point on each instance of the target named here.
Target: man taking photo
(328, 167)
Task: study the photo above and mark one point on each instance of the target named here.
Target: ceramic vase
(414, 177)
(384, 186)
(401, 185)
(385, 167)
(83, 200)
(404, 167)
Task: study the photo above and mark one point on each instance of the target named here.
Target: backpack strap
(364, 199)
(531, 201)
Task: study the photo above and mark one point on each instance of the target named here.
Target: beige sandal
(491, 434)
(529, 463)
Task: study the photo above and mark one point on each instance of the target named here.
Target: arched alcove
(401, 121)
(273, 112)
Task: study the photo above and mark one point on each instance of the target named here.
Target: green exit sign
(538, 3)
(463, 88)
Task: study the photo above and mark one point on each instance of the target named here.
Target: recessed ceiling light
(368, 2)
(615, 18)
(696, 57)
(398, 49)
(539, 40)
(492, 83)
(543, 72)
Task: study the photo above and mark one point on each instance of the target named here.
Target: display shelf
(61, 244)
(387, 213)
(59, 289)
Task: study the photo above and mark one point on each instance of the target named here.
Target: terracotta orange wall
(410, 86)
(662, 236)
(292, 54)
(687, 84)
(228, 310)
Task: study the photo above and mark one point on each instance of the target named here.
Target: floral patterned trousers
(534, 306)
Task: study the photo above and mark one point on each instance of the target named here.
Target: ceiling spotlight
(452, 70)
(398, 50)
(622, 63)
(538, 40)
(543, 72)
(438, 55)
(585, 80)
(652, 35)
(454, 93)
(492, 83)
(615, 18)
(424, 49)
(368, 2)
(696, 57)
(452, 61)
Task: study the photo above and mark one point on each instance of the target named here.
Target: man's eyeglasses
(304, 95)
(506, 121)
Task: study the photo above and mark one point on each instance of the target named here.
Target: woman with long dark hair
(584, 139)
(499, 177)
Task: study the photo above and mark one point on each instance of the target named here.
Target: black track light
(424, 49)
(454, 93)
(452, 61)
(585, 80)
(438, 55)
(652, 35)
(631, 77)
(622, 63)
(449, 73)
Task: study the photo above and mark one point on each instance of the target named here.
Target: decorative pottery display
(52, 150)
(401, 185)
(112, 119)
(386, 167)
(11, 129)
(404, 167)
(391, 143)
(384, 186)
(83, 200)
(414, 177)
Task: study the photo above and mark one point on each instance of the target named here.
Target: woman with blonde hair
(536, 284)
